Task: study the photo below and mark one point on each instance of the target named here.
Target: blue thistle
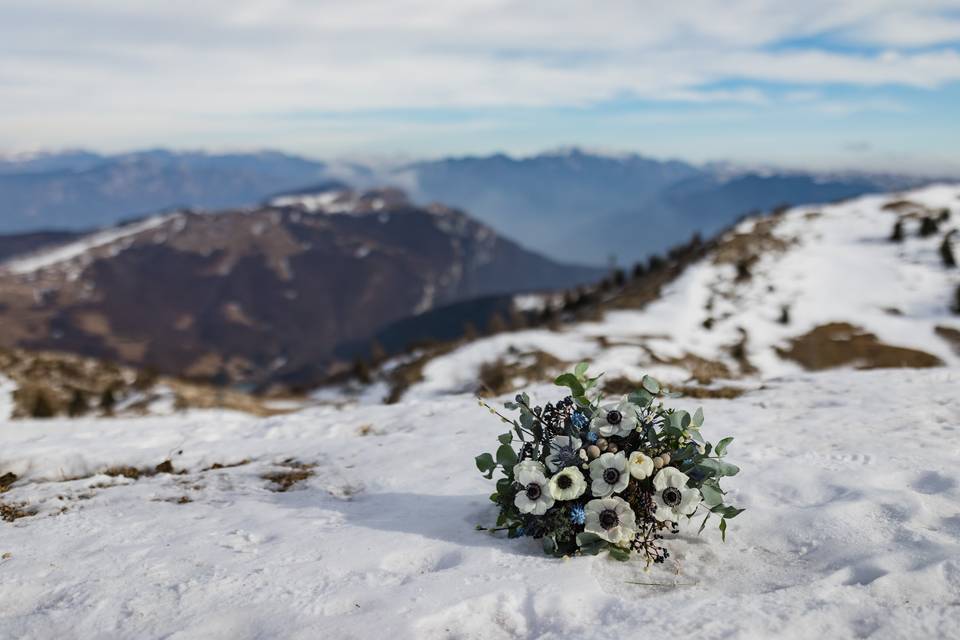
(578, 515)
(579, 420)
(592, 436)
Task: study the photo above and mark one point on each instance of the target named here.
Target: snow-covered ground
(852, 526)
(837, 265)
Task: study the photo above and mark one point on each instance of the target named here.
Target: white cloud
(118, 67)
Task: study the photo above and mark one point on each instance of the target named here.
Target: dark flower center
(609, 519)
(564, 482)
(614, 417)
(533, 491)
(671, 496)
(611, 475)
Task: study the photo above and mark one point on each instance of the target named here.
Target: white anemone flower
(615, 419)
(609, 474)
(564, 452)
(534, 495)
(529, 465)
(672, 496)
(612, 519)
(641, 465)
(569, 484)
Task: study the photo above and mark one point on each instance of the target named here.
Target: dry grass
(949, 334)
(217, 465)
(502, 375)
(293, 473)
(621, 386)
(840, 344)
(6, 480)
(745, 248)
(407, 374)
(14, 511)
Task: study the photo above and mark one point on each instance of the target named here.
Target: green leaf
(723, 529)
(486, 464)
(721, 447)
(650, 384)
(711, 497)
(588, 538)
(494, 497)
(641, 398)
(698, 418)
(581, 370)
(506, 456)
(732, 512)
(590, 544)
(696, 436)
(621, 555)
(570, 381)
(505, 438)
(718, 468)
(703, 524)
(504, 485)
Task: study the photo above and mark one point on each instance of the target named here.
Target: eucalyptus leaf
(505, 438)
(485, 462)
(621, 555)
(650, 384)
(506, 456)
(641, 398)
(698, 418)
(721, 448)
(711, 497)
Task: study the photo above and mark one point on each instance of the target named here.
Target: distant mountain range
(572, 205)
(80, 191)
(241, 295)
(591, 207)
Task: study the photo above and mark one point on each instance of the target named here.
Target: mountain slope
(231, 297)
(807, 288)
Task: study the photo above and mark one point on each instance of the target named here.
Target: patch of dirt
(743, 249)
(217, 465)
(407, 374)
(621, 386)
(6, 480)
(179, 500)
(14, 511)
(840, 344)
(135, 473)
(902, 205)
(293, 473)
(503, 375)
(702, 370)
(949, 334)
(693, 391)
(53, 384)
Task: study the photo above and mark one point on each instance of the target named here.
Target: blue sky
(859, 84)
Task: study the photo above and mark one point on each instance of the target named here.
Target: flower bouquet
(586, 475)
